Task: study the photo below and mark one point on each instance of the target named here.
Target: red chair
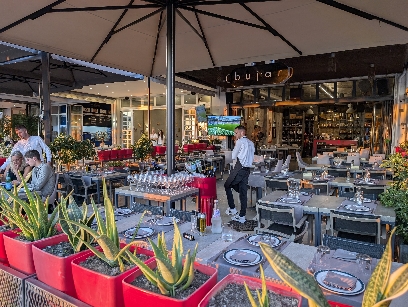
(208, 193)
(161, 150)
(2, 160)
(104, 155)
(129, 153)
(114, 154)
(176, 148)
(122, 154)
(201, 146)
(210, 147)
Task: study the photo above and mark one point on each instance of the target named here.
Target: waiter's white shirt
(244, 150)
(32, 143)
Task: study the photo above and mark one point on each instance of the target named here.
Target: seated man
(43, 175)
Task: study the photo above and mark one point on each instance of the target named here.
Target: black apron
(231, 177)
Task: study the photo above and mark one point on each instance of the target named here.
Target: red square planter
(253, 283)
(53, 270)
(3, 255)
(97, 289)
(135, 296)
(19, 253)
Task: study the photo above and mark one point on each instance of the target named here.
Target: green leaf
(294, 276)
(250, 297)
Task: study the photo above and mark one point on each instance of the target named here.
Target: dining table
(319, 206)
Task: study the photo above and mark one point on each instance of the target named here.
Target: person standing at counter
(153, 137)
(27, 143)
(160, 138)
(243, 153)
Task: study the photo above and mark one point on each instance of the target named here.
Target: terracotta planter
(3, 255)
(53, 270)
(253, 283)
(135, 296)
(97, 289)
(19, 253)
(334, 304)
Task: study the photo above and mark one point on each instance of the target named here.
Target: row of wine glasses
(157, 182)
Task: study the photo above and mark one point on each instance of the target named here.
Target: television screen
(222, 125)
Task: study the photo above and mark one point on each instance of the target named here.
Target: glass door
(127, 128)
(76, 122)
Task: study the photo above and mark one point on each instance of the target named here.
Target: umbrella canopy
(131, 35)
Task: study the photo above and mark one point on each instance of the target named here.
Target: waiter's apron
(231, 177)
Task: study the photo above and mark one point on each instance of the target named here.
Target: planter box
(3, 255)
(11, 287)
(53, 270)
(135, 296)
(253, 283)
(97, 289)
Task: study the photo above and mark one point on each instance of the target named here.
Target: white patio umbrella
(131, 34)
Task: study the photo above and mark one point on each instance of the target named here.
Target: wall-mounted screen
(222, 125)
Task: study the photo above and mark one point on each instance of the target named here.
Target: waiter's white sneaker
(231, 211)
(238, 218)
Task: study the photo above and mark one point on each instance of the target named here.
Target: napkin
(165, 220)
(344, 255)
(339, 281)
(243, 257)
(142, 232)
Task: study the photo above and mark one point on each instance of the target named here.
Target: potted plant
(142, 148)
(84, 150)
(396, 196)
(36, 224)
(381, 289)
(63, 149)
(111, 258)
(52, 258)
(168, 276)
(240, 288)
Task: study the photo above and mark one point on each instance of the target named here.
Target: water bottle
(8, 185)
(216, 222)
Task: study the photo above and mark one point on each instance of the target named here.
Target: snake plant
(106, 235)
(76, 235)
(382, 287)
(171, 274)
(36, 224)
(263, 297)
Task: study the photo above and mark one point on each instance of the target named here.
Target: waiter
(238, 179)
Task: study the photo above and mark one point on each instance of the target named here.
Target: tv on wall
(222, 125)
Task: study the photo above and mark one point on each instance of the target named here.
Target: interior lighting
(90, 88)
(107, 86)
(324, 90)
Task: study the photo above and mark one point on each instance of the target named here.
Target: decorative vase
(135, 296)
(97, 289)
(53, 270)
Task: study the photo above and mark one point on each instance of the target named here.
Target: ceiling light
(107, 86)
(112, 92)
(98, 93)
(90, 88)
(128, 90)
(350, 109)
(310, 111)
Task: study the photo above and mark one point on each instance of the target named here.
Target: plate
(122, 212)
(357, 208)
(289, 200)
(166, 221)
(227, 257)
(366, 200)
(147, 233)
(321, 275)
(274, 240)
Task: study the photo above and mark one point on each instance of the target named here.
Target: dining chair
(183, 216)
(228, 160)
(277, 184)
(83, 188)
(280, 220)
(287, 161)
(378, 174)
(354, 226)
(371, 249)
(140, 208)
(374, 159)
(256, 182)
(323, 159)
(372, 192)
(353, 159)
(278, 166)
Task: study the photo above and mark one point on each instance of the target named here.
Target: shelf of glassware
(341, 128)
(189, 125)
(292, 131)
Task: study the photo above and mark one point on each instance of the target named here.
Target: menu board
(97, 114)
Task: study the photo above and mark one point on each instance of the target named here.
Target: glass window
(54, 109)
(205, 99)
(326, 90)
(190, 99)
(236, 97)
(63, 109)
(344, 89)
(161, 100)
(136, 102)
(76, 109)
(276, 93)
(125, 103)
(309, 91)
(178, 99)
(364, 88)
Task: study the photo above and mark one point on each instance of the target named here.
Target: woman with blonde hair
(17, 166)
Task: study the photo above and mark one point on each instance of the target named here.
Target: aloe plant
(76, 235)
(263, 297)
(106, 235)
(36, 224)
(382, 287)
(171, 274)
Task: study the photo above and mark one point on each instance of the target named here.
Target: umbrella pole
(148, 107)
(170, 90)
(45, 71)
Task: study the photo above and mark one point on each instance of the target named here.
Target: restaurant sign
(274, 73)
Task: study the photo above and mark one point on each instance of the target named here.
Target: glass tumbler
(226, 233)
